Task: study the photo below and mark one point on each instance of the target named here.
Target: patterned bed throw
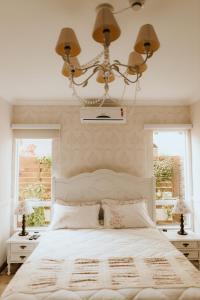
(112, 273)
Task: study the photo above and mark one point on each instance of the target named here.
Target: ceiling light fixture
(136, 4)
(106, 30)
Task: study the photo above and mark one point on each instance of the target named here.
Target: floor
(5, 279)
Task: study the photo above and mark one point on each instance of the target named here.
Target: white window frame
(16, 185)
(188, 165)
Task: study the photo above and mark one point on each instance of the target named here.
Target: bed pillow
(76, 202)
(77, 216)
(122, 202)
(133, 215)
(82, 203)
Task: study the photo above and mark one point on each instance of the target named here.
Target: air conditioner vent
(103, 115)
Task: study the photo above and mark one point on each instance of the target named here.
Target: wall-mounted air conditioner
(108, 115)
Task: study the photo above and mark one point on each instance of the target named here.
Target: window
(170, 166)
(33, 179)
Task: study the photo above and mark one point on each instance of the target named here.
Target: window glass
(170, 171)
(34, 160)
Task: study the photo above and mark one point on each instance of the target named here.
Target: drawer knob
(22, 256)
(22, 247)
(185, 244)
(186, 254)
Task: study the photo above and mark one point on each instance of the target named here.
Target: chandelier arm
(139, 75)
(90, 67)
(118, 63)
(84, 82)
(96, 64)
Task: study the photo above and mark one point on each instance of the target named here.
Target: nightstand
(19, 248)
(188, 244)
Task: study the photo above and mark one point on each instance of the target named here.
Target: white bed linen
(101, 243)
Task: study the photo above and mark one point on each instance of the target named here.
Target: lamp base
(182, 232)
(23, 233)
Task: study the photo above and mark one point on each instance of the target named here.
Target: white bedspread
(102, 244)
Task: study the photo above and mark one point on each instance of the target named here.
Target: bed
(105, 263)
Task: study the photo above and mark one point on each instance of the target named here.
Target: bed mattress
(101, 244)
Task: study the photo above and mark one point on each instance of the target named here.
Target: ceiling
(30, 70)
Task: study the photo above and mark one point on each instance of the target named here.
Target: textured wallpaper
(86, 147)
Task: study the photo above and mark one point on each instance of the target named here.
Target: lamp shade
(24, 208)
(146, 36)
(68, 38)
(181, 208)
(105, 21)
(136, 60)
(101, 77)
(75, 64)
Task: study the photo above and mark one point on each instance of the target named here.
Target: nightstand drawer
(191, 254)
(186, 244)
(21, 247)
(19, 257)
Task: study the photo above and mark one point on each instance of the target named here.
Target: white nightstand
(19, 248)
(188, 244)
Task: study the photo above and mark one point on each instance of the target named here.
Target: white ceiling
(30, 68)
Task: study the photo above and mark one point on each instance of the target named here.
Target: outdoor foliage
(37, 218)
(45, 160)
(163, 169)
(37, 190)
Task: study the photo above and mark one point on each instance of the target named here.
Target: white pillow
(134, 215)
(68, 216)
(76, 202)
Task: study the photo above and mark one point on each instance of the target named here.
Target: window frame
(15, 182)
(187, 168)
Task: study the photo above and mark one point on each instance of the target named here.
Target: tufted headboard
(104, 184)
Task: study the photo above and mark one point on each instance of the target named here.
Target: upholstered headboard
(104, 184)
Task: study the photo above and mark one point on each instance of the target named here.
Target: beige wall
(125, 147)
(195, 118)
(5, 181)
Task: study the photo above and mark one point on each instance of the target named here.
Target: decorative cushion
(128, 215)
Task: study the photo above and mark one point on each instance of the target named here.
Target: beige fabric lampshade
(146, 34)
(101, 79)
(181, 207)
(105, 20)
(68, 38)
(135, 59)
(75, 63)
(24, 208)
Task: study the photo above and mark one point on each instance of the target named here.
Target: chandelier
(106, 30)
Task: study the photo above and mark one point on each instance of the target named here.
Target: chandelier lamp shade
(74, 67)
(106, 30)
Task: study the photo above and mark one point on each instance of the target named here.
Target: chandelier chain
(122, 10)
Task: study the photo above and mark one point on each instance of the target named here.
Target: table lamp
(181, 208)
(24, 208)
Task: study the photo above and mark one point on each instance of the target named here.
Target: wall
(195, 118)
(125, 147)
(5, 181)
